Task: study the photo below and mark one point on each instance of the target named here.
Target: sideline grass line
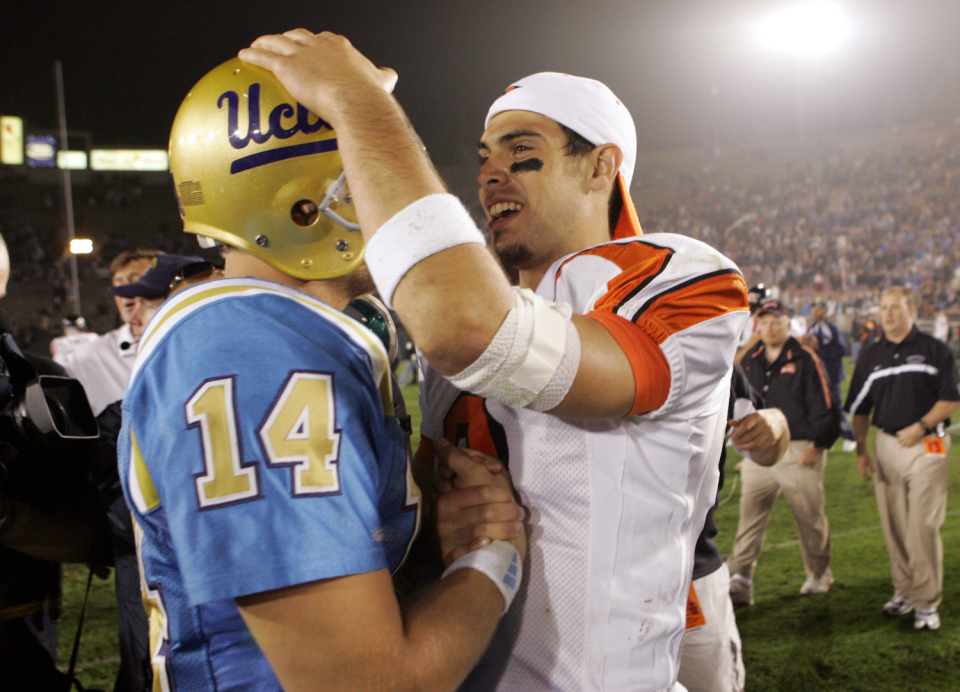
(843, 534)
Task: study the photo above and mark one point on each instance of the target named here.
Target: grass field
(837, 641)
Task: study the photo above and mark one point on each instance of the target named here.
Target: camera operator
(97, 529)
(30, 580)
(60, 501)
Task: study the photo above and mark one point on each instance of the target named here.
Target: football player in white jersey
(602, 381)
(261, 454)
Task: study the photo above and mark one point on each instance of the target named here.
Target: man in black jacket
(789, 377)
(908, 381)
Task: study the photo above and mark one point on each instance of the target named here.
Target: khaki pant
(803, 488)
(712, 655)
(911, 488)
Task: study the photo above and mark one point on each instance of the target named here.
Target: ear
(606, 162)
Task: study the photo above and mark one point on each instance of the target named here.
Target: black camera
(46, 425)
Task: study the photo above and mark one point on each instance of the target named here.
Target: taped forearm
(532, 360)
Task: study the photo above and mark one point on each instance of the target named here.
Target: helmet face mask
(253, 169)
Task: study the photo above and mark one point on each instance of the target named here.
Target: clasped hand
(476, 503)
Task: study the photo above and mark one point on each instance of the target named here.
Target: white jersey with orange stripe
(615, 506)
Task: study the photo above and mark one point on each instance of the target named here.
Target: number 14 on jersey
(299, 432)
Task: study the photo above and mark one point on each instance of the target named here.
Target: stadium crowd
(890, 218)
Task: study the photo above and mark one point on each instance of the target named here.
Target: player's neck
(898, 335)
(531, 278)
(588, 232)
(333, 292)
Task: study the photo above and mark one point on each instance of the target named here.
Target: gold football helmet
(254, 169)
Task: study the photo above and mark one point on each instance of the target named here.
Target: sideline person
(103, 364)
(825, 338)
(908, 381)
(789, 377)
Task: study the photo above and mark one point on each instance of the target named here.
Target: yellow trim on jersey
(181, 302)
(186, 303)
(158, 631)
(148, 491)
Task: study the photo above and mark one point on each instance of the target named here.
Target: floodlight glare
(808, 30)
(81, 246)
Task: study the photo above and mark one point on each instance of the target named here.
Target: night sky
(127, 65)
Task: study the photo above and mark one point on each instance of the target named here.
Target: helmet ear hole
(305, 212)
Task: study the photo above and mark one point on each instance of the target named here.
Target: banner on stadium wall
(129, 160)
(41, 151)
(11, 140)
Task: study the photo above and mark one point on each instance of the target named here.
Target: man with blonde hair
(908, 381)
(103, 363)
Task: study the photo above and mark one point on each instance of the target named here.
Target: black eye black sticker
(526, 165)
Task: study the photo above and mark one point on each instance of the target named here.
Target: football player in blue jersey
(268, 477)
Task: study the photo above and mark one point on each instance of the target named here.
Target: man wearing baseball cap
(166, 273)
(602, 380)
(790, 377)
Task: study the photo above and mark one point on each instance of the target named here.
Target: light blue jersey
(255, 454)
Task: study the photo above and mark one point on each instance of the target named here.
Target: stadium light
(809, 30)
(81, 246)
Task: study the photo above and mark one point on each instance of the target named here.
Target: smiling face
(537, 198)
(128, 274)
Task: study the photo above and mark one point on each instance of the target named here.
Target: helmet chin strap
(333, 194)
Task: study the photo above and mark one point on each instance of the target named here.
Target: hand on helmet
(321, 71)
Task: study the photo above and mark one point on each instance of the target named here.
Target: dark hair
(128, 256)
(579, 147)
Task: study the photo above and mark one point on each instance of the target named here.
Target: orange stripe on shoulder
(651, 372)
(712, 296)
(822, 373)
(637, 262)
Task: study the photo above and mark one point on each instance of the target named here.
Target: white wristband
(501, 562)
(428, 226)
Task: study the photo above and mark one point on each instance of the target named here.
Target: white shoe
(741, 590)
(897, 606)
(849, 445)
(926, 619)
(821, 585)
